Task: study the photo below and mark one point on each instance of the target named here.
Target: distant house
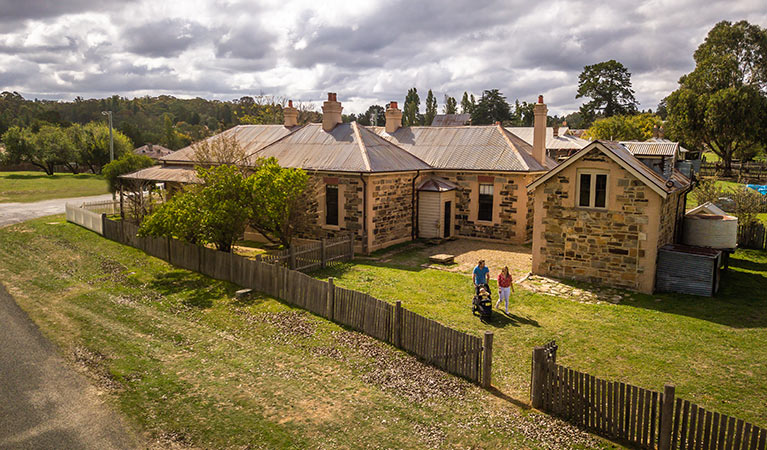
(392, 184)
(602, 215)
(153, 151)
(560, 143)
(661, 155)
(451, 120)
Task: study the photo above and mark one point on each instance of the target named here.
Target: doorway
(448, 214)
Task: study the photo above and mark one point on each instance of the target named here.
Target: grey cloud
(247, 41)
(164, 38)
(15, 10)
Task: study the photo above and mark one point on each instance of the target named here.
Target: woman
(505, 285)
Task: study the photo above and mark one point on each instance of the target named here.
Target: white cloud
(367, 52)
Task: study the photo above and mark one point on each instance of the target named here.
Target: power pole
(111, 137)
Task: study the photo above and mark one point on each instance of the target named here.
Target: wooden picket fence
(753, 171)
(111, 207)
(643, 418)
(84, 217)
(753, 235)
(314, 255)
(450, 350)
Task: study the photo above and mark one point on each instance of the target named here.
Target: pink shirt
(504, 281)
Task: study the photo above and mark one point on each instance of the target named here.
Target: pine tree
(451, 106)
(410, 113)
(465, 104)
(431, 108)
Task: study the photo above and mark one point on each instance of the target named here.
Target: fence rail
(753, 235)
(639, 416)
(750, 171)
(111, 207)
(84, 217)
(315, 255)
(450, 350)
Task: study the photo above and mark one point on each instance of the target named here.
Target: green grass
(192, 366)
(36, 186)
(711, 349)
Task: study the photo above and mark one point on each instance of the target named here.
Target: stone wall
(605, 246)
(510, 217)
(671, 214)
(311, 222)
(392, 206)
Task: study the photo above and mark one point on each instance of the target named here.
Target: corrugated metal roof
(487, 147)
(251, 137)
(562, 142)
(437, 184)
(179, 174)
(347, 148)
(652, 148)
(451, 120)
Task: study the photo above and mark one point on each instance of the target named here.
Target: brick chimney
(660, 132)
(290, 114)
(331, 112)
(539, 131)
(556, 129)
(393, 118)
(655, 131)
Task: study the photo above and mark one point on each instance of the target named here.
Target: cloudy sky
(366, 51)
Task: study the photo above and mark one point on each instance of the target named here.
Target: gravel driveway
(11, 213)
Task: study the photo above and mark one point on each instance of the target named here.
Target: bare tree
(223, 148)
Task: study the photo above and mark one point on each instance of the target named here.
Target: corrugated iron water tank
(710, 230)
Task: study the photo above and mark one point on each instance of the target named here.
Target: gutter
(413, 214)
(364, 214)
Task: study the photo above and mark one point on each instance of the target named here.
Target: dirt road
(18, 212)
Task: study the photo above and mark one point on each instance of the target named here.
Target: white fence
(85, 218)
(111, 207)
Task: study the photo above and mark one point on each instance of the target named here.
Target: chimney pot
(393, 118)
(290, 115)
(331, 112)
(290, 103)
(498, 122)
(540, 99)
(393, 105)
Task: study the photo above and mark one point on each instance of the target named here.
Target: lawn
(36, 186)
(191, 366)
(711, 349)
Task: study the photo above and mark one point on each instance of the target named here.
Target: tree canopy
(451, 106)
(608, 84)
(492, 107)
(722, 104)
(410, 112)
(127, 163)
(638, 127)
(431, 108)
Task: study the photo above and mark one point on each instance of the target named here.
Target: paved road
(44, 403)
(18, 212)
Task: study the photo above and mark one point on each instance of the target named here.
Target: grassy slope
(36, 186)
(712, 349)
(190, 364)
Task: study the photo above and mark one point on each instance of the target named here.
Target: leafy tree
(522, 115)
(451, 106)
(376, 112)
(94, 137)
(431, 108)
(216, 213)
(608, 84)
(722, 103)
(276, 192)
(575, 120)
(638, 127)
(55, 141)
(127, 163)
(24, 145)
(410, 113)
(466, 104)
(492, 107)
(748, 204)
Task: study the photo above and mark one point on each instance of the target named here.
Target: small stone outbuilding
(602, 215)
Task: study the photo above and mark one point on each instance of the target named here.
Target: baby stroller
(481, 304)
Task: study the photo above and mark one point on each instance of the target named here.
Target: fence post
(331, 299)
(292, 261)
(351, 245)
(103, 224)
(323, 253)
(487, 358)
(667, 409)
(170, 258)
(536, 384)
(397, 325)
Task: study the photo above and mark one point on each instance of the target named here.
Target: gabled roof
(488, 147)
(563, 141)
(251, 137)
(153, 151)
(437, 184)
(347, 148)
(625, 159)
(451, 120)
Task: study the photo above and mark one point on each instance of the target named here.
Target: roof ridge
(511, 146)
(361, 144)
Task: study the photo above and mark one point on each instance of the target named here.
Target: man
(480, 276)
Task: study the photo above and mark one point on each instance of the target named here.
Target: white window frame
(592, 188)
(492, 204)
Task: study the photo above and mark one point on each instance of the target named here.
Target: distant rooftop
(451, 120)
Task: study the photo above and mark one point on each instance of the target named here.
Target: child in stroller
(481, 305)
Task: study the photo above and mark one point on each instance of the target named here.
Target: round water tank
(709, 230)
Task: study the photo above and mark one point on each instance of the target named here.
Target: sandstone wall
(392, 205)
(615, 246)
(311, 223)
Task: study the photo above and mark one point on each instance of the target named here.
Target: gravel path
(44, 403)
(11, 213)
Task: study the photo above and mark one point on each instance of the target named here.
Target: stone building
(602, 215)
(378, 182)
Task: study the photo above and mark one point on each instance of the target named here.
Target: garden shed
(688, 270)
(436, 207)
